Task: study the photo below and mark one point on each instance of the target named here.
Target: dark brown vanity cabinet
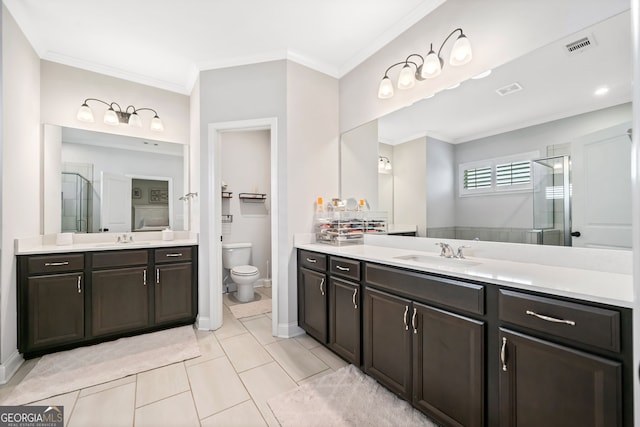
(172, 289)
(73, 299)
(557, 383)
(119, 299)
(345, 309)
(312, 295)
(430, 356)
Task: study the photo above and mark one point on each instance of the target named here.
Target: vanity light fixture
(116, 116)
(429, 67)
(384, 164)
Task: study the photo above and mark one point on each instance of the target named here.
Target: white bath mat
(253, 308)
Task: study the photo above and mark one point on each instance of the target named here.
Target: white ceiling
(555, 85)
(164, 43)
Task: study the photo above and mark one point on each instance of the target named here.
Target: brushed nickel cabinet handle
(157, 276)
(312, 260)
(322, 287)
(353, 298)
(550, 319)
(144, 277)
(56, 264)
(404, 318)
(413, 320)
(503, 354)
(174, 255)
(79, 285)
(341, 268)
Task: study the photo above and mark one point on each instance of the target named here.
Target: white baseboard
(289, 330)
(203, 323)
(9, 367)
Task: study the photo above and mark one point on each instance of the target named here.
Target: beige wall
(21, 182)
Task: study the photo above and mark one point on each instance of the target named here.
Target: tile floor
(241, 366)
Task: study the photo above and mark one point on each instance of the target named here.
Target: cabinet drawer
(345, 268)
(120, 258)
(173, 254)
(578, 322)
(55, 263)
(313, 260)
(429, 289)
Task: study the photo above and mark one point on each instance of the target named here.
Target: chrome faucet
(459, 253)
(445, 250)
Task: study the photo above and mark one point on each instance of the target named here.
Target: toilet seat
(244, 270)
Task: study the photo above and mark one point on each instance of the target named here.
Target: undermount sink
(437, 260)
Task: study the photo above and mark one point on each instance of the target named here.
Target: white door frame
(215, 228)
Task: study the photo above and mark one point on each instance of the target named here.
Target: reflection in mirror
(112, 183)
(440, 147)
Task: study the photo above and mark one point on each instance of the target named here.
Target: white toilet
(236, 257)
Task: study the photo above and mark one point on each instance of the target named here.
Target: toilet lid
(244, 270)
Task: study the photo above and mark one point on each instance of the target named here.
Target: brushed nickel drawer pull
(312, 260)
(550, 319)
(144, 277)
(353, 298)
(503, 354)
(322, 287)
(413, 320)
(56, 264)
(157, 276)
(174, 255)
(79, 287)
(406, 324)
(341, 268)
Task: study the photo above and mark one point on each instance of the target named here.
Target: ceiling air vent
(580, 45)
(509, 89)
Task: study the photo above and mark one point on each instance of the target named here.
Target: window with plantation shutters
(496, 176)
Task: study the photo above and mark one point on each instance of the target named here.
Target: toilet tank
(234, 254)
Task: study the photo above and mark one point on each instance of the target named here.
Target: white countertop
(46, 244)
(605, 287)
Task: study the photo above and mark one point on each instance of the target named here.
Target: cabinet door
(119, 300)
(312, 304)
(344, 319)
(448, 366)
(55, 310)
(173, 293)
(387, 340)
(544, 384)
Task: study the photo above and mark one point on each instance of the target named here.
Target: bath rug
(253, 308)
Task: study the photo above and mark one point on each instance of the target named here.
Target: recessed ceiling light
(481, 75)
(453, 86)
(601, 91)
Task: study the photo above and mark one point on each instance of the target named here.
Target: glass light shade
(432, 66)
(111, 118)
(381, 165)
(387, 167)
(407, 78)
(85, 114)
(156, 124)
(461, 51)
(134, 120)
(385, 90)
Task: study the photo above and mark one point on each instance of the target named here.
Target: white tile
(177, 410)
(209, 349)
(334, 361)
(105, 386)
(307, 342)
(260, 327)
(299, 362)
(245, 352)
(108, 408)
(67, 401)
(160, 383)
(215, 386)
(265, 382)
(243, 415)
(230, 326)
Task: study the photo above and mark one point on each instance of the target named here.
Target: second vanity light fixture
(384, 164)
(430, 66)
(114, 117)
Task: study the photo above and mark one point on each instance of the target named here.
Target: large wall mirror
(99, 182)
(456, 159)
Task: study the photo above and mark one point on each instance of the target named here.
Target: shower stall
(551, 201)
(76, 203)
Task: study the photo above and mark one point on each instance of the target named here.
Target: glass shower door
(552, 201)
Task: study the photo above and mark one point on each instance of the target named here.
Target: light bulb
(85, 114)
(385, 90)
(432, 65)
(111, 118)
(461, 51)
(406, 79)
(157, 125)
